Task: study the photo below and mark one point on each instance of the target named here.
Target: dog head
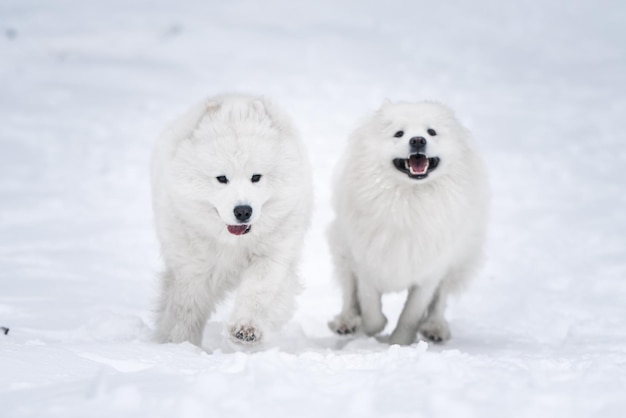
(418, 141)
(231, 165)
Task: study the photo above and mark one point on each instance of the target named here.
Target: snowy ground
(85, 87)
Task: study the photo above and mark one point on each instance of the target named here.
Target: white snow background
(85, 88)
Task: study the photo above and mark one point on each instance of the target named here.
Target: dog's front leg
(414, 309)
(349, 319)
(264, 300)
(373, 320)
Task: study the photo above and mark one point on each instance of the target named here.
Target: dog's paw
(435, 331)
(246, 334)
(345, 324)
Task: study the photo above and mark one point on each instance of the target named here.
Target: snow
(87, 86)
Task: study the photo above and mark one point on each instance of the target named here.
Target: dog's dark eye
(399, 134)
(255, 178)
(222, 179)
(431, 132)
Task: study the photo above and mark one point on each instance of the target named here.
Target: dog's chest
(219, 266)
(229, 264)
(401, 240)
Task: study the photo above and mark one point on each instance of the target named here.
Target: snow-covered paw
(435, 331)
(246, 334)
(345, 324)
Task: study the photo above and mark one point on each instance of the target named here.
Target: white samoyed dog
(411, 201)
(232, 197)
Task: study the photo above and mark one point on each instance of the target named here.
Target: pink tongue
(418, 164)
(237, 229)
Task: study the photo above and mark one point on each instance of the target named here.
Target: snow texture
(87, 86)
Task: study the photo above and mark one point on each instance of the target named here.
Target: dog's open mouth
(239, 229)
(417, 166)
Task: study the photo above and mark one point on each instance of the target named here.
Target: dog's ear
(381, 110)
(383, 106)
(211, 106)
(190, 121)
(206, 107)
(260, 105)
(279, 121)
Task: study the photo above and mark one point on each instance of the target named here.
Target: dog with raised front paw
(231, 192)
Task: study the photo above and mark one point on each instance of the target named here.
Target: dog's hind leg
(434, 326)
(417, 302)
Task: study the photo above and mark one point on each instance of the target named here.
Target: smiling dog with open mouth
(411, 204)
(232, 200)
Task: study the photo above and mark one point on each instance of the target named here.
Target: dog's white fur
(235, 136)
(392, 232)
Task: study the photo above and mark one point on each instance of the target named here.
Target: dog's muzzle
(417, 165)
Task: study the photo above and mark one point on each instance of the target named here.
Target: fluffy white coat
(392, 232)
(232, 137)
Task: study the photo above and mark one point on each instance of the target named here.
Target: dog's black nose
(417, 141)
(243, 213)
